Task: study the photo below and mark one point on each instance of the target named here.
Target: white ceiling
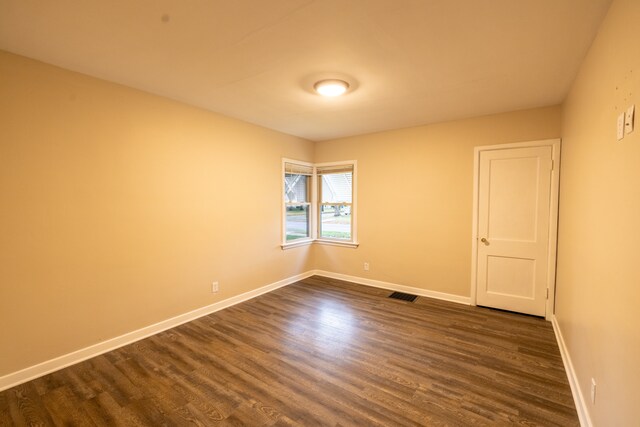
(411, 62)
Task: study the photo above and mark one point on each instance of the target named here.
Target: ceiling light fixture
(331, 87)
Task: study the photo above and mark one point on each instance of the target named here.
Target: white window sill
(292, 245)
(296, 244)
(337, 243)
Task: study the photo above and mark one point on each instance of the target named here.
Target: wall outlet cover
(629, 119)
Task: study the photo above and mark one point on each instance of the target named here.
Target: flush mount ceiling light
(331, 87)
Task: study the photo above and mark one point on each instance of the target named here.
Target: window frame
(315, 205)
(352, 205)
(310, 203)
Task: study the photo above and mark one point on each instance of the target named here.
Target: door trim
(553, 214)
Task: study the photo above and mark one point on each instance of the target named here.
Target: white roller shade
(324, 170)
(297, 169)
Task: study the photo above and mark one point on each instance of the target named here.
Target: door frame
(555, 145)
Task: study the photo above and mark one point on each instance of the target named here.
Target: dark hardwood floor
(318, 352)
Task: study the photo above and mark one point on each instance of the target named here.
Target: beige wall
(118, 209)
(598, 285)
(415, 197)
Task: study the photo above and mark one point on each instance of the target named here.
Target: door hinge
(547, 293)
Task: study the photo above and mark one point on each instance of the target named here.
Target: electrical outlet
(628, 121)
(215, 287)
(366, 266)
(593, 391)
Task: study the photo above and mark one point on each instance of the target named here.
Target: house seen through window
(297, 198)
(336, 184)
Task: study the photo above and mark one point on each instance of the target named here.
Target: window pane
(336, 187)
(297, 222)
(296, 188)
(335, 221)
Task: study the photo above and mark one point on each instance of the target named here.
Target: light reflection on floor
(329, 328)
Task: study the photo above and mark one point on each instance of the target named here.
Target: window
(336, 196)
(297, 201)
(319, 203)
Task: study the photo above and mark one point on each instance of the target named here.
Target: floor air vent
(404, 297)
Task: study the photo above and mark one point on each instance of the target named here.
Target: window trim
(311, 238)
(315, 207)
(354, 198)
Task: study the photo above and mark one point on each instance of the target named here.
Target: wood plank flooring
(320, 352)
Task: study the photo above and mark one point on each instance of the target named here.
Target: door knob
(484, 240)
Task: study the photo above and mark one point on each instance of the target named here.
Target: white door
(513, 211)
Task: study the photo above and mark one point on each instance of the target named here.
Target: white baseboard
(44, 368)
(15, 378)
(394, 287)
(578, 398)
